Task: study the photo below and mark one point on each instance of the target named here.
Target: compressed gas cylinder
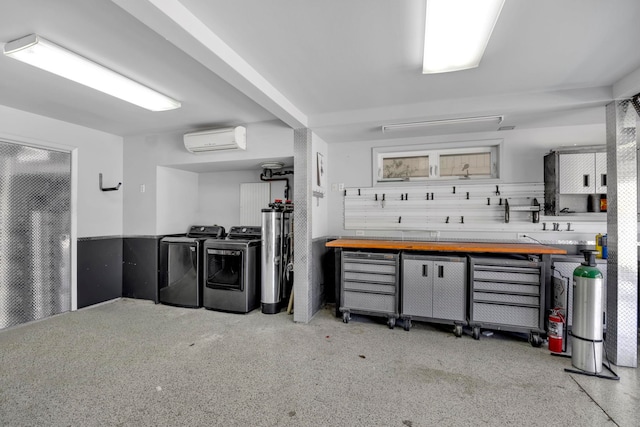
(587, 344)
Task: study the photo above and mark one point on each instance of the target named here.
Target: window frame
(434, 151)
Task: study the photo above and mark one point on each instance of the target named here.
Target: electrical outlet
(334, 187)
(522, 236)
(341, 186)
(359, 232)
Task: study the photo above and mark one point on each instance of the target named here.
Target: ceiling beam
(173, 21)
(627, 86)
(533, 102)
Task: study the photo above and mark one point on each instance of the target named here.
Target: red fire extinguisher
(556, 329)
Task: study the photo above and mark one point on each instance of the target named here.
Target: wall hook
(109, 188)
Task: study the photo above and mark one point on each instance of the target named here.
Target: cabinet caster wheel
(406, 324)
(391, 322)
(535, 340)
(457, 331)
(476, 333)
(346, 317)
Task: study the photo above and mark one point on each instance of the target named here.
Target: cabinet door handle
(441, 271)
(603, 180)
(425, 270)
(585, 180)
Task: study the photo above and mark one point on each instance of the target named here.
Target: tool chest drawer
(490, 297)
(377, 288)
(516, 288)
(382, 278)
(369, 302)
(370, 284)
(512, 275)
(507, 294)
(366, 265)
(507, 315)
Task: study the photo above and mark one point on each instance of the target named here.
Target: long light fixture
(444, 122)
(457, 32)
(41, 53)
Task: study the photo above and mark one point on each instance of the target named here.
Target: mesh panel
(303, 271)
(622, 287)
(35, 227)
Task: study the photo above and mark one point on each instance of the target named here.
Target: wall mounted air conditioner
(216, 139)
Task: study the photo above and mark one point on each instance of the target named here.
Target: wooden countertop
(476, 247)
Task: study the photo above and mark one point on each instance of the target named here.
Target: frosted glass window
(406, 167)
(465, 164)
(469, 160)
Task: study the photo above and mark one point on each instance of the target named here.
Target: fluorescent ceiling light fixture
(41, 53)
(457, 32)
(444, 122)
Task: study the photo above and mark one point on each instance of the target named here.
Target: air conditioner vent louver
(216, 139)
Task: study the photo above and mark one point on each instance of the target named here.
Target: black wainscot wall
(99, 270)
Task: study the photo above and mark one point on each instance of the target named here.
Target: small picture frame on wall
(321, 177)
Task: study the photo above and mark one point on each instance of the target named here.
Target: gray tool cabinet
(507, 294)
(434, 289)
(370, 284)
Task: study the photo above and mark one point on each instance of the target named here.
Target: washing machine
(181, 270)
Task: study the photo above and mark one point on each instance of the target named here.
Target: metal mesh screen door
(35, 229)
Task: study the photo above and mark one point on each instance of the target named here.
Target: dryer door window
(224, 269)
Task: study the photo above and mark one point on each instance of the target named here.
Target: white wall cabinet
(601, 173)
(573, 180)
(583, 173)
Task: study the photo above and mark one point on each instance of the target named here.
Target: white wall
(522, 158)
(177, 200)
(319, 210)
(98, 213)
(219, 197)
(265, 141)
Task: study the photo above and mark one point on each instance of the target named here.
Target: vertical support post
(622, 265)
(302, 226)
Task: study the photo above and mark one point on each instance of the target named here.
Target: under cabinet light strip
(444, 122)
(41, 53)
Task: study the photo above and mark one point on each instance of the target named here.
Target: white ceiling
(341, 68)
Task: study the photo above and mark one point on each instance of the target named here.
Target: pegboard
(457, 206)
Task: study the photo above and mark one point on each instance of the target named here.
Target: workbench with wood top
(507, 285)
(459, 247)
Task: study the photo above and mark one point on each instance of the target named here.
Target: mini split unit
(216, 139)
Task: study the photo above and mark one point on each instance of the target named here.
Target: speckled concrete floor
(133, 363)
